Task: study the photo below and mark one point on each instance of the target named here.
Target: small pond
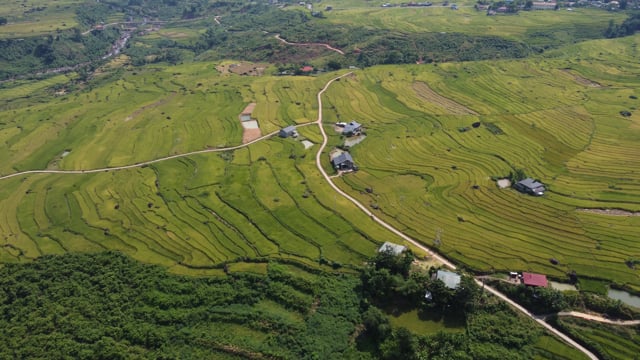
(625, 297)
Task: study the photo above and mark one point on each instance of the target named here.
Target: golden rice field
(268, 200)
(435, 182)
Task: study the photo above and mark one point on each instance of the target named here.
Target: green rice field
(556, 116)
(37, 17)
(609, 341)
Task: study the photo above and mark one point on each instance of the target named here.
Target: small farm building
(352, 128)
(245, 115)
(306, 69)
(531, 279)
(343, 161)
(450, 279)
(288, 131)
(530, 186)
(395, 249)
(541, 5)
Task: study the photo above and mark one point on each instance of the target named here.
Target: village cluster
(451, 280)
(341, 160)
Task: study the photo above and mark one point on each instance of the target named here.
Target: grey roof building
(530, 186)
(288, 131)
(450, 279)
(395, 249)
(352, 128)
(343, 161)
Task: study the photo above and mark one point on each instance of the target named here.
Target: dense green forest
(107, 306)
(64, 49)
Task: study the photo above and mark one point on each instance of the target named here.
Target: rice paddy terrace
(556, 116)
(559, 119)
(193, 213)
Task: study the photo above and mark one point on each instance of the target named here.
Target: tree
(402, 345)
(3, 20)
(528, 5)
(333, 65)
(396, 264)
(376, 324)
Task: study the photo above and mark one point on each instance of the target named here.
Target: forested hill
(107, 306)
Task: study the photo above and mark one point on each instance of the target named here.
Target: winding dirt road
(277, 36)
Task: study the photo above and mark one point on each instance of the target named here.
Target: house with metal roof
(288, 131)
(344, 161)
(530, 186)
(531, 279)
(352, 128)
(395, 249)
(450, 279)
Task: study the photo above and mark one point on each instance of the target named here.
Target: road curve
(415, 243)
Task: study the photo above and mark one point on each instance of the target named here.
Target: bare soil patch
(503, 183)
(582, 80)
(248, 69)
(611, 212)
(426, 93)
(250, 134)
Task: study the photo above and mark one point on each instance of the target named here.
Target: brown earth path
(277, 36)
(599, 318)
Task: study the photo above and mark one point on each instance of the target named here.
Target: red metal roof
(532, 279)
(307, 68)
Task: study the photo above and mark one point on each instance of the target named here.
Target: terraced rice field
(538, 25)
(190, 214)
(612, 342)
(434, 181)
(24, 20)
(428, 178)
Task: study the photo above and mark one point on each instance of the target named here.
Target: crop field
(190, 214)
(537, 25)
(145, 114)
(37, 17)
(557, 116)
(610, 341)
(429, 178)
(568, 134)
